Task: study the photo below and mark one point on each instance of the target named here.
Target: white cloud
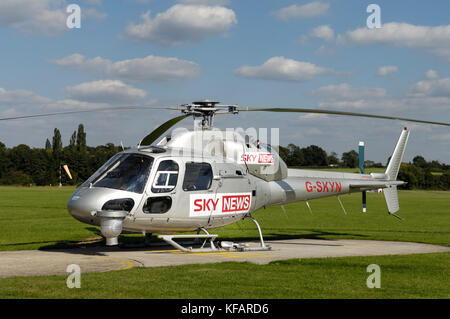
(46, 17)
(435, 40)
(20, 97)
(423, 100)
(281, 68)
(43, 17)
(309, 10)
(323, 32)
(435, 87)
(348, 93)
(206, 2)
(313, 116)
(106, 91)
(152, 68)
(431, 74)
(70, 104)
(182, 24)
(386, 70)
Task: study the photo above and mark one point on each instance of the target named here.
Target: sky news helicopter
(196, 180)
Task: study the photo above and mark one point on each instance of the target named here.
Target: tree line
(419, 174)
(22, 165)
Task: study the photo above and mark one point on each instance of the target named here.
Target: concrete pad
(100, 259)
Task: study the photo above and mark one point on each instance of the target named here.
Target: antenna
(361, 168)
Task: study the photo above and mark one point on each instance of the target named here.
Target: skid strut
(170, 240)
(262, 246)
(224, 246)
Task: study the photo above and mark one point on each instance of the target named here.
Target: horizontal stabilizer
(368, 185)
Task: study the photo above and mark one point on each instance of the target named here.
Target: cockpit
(124, 171)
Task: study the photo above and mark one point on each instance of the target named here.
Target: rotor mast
(208, 109)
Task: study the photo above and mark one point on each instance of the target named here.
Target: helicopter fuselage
(174, 187)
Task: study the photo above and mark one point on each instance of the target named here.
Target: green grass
(36, 217)
(412, 276)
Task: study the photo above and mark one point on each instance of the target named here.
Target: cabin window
(157, 205)
(198, 177)
(166, 177)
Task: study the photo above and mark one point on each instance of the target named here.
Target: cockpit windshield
(128, 172)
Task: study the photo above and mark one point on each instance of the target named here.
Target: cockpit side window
(198, 176)
(166, 177)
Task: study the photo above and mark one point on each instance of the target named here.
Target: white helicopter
(204, 178)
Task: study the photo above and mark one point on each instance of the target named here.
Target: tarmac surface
(102, 259)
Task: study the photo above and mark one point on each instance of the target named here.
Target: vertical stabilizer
(397, 156)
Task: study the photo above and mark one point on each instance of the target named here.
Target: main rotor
(207, 110)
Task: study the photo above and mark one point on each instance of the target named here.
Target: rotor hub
(208, 109)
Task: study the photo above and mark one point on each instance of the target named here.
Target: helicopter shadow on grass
(312, 234)
(90, 246)
(96, 246)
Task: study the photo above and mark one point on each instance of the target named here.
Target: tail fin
(390, 193)
(397, 156)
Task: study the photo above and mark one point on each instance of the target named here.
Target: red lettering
(325, 187)
(309, 189)
(338, 187)
(235, 203)
(196, 203)
(319, 187)
(265, 158)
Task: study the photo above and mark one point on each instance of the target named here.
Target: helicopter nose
(81, 208)
(85, 202)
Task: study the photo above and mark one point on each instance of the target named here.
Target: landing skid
(222, 246)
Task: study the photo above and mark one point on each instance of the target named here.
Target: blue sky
(285, 53)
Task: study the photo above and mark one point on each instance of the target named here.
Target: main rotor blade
(301, 110)
(118, 108)
(153, 136)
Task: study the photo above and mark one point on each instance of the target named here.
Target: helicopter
(202, 179)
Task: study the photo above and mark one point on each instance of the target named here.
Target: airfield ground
(36, 218)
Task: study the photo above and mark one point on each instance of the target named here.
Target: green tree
(73, 140)
(81, 139)
(48, 146)
(57, 142)
(413, 175)
(420, 161)
(333, 159)
(350, 159)
(295, 157)
(5, 163)
(315, 156)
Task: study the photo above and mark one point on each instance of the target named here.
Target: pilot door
(163, 188)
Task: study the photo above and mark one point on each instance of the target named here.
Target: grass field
(412, 276)
(36, 217)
